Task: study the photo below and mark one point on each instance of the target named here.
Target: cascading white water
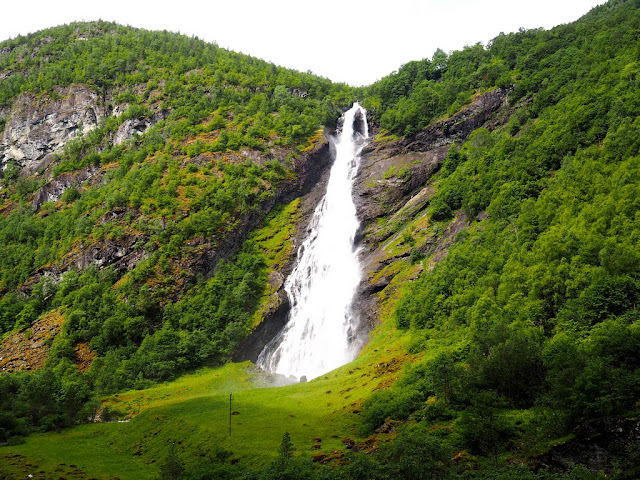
(319, 334)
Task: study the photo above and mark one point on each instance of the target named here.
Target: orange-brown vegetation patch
(206, 137)
(389, 371)
(7, 208)
(84, 357)
(316, 139)
(28, 348)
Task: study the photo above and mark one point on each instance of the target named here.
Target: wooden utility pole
(230, 400)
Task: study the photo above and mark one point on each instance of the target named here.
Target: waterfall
(319, 335)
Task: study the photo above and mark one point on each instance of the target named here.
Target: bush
(508, 360)
(393, 403)
(415, 454)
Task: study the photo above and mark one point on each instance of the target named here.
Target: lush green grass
(81, 452)
(193, 412)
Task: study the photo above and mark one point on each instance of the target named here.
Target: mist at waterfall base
(320, 333)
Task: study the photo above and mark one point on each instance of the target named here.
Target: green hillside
(507, 337)
(178, 198)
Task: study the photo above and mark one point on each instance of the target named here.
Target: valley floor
(193, 412)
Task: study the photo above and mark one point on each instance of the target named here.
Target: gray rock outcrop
(393, 182)
(136, 126)
(392, 172)
(53, 190)
(37, 128)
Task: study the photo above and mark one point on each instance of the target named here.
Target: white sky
(352, 41)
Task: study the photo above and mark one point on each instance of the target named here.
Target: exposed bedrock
(393, 181)
(312, 185)
(38, 127)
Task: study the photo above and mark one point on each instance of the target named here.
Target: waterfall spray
(319, 334)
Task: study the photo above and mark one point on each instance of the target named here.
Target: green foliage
(48, 399)
(172, 468)
(508, 360)
(415, 454)
(286, 449)
(483, 428)
(421, 91)
(204, 327)
(402, 173)
(394, 404)
(188, 76)
(544, 289)
(522, 473)
(71, 194)
(597, 376)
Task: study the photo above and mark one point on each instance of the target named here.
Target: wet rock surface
(272, 324)
(393, 183)
(359, 123)
(313, 175)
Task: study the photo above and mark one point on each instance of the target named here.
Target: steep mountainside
(133, 163)
(522, 245)
(155, 190)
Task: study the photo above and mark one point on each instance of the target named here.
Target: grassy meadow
(193, 413)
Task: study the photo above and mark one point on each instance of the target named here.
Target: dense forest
(544, 290)
(526, 333)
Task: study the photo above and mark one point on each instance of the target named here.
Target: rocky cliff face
(53, 190)
(392, 184)
(136, 126)
(37, 128)
(393, 188)
(392, 172)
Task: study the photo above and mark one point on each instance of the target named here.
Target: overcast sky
(352, 41)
